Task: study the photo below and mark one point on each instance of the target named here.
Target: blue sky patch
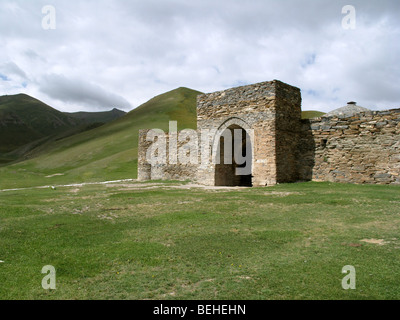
(4, 77)
(313, 93)
(309, 60)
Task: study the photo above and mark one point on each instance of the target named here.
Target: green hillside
(311, 114)
(24, 119)
(26, 123)
(97, 117)
(105, 153)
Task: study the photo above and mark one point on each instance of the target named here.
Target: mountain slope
(97, 117)
(24, 119)
(26, 123)
(105, 153)
(311, 114)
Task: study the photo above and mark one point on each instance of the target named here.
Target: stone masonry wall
(362, 149)
(163, 171)
(258, 107)
(251, 107)
(288, 116)
(144, 168)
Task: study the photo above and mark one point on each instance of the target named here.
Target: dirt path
(69, 185)
(128, 184)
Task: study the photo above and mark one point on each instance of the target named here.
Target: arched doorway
(233, 157)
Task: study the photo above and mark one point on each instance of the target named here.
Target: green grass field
(162, 241)
(167, 241)
(311, 114)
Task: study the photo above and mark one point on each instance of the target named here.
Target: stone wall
(144, 168)
(162, 171)
(361, 149)
(250, 107)
(269, 112)
(288, 116)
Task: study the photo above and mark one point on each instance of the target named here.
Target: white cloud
(122, 53)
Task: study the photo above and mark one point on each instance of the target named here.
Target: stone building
(276, 145)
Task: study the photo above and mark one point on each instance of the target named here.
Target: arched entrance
(234, 156)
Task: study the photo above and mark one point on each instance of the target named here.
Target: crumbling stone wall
(162, 171)
(287, 122)
(144, 168)
(364, 148)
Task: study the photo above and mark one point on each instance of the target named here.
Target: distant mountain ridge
(99, 117)
(26, 122)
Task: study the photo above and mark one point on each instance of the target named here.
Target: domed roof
(347, 111)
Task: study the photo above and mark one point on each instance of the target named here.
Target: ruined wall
(288, 116)
(144, 168)
(163, 171)
(362, 149)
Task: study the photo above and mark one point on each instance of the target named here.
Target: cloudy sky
(120, 53)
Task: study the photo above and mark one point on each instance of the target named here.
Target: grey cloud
(137, 49)
(34, 56)
(12, 69)
(81, 92)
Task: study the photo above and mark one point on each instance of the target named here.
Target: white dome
(347, 111)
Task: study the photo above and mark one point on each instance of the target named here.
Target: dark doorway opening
(235, 158)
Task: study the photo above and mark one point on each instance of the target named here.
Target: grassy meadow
(168, 241)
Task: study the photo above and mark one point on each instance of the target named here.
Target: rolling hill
(311, 114)
(24, 119)
(26, 123)
(97, 117)
(105, 153)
